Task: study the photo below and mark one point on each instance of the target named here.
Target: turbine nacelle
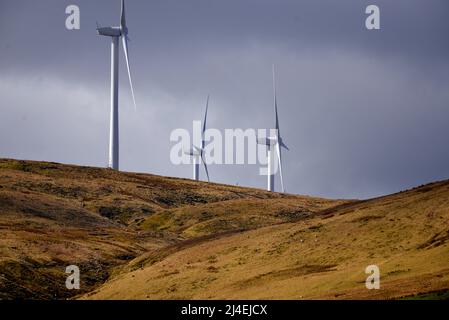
(193, 151)
(271, 141)
(109, 31)
(267, 141)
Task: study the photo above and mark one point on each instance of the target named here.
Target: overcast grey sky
(364, 113)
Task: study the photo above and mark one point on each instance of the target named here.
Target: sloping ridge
(323, 256)
(141, 236)
(55, 215)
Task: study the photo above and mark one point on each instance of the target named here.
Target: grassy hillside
(322, 256)
(108, 222)
(140, 236)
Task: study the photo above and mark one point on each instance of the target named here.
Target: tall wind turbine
(274, 143)
(116, 33)
(197, 153)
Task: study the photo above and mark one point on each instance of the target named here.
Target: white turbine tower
(274, 142)
(197, 153)
(116, 33)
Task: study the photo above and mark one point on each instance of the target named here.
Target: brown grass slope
(322, 256)
(107, 222)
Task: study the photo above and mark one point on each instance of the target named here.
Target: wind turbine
(274, 142)
(197, 153)
(116, 33)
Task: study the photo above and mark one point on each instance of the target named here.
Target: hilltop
(141, 236)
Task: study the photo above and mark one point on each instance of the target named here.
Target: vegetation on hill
(54, 215)
(140, 236)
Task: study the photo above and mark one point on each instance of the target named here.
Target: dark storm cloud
(364, 112)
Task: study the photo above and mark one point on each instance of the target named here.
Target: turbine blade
(205, 166)
(125, 49)
(204, 124)
(283, 145)
(275, 101)
(278, 148)
(122, 17)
